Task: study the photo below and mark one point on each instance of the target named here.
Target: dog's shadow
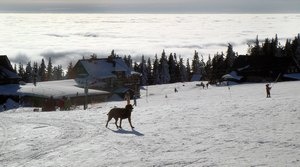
(123, 131)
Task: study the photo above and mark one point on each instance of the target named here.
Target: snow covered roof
(196, 77)
(104, 68)
(4, 61)
(7, 74)
(56, 89)
(232, 75)
(293, 76)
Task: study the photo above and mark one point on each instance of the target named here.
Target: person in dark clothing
(134, 100)
(4, 107)
(268, 88)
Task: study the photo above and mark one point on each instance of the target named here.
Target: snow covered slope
(194, 127)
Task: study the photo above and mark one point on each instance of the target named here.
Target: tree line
(34, 72)
(170, 68)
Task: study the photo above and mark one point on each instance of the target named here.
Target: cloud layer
(151, 6)
(68, 37)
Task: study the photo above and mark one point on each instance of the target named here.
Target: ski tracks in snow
(70, 133)
(3, 136)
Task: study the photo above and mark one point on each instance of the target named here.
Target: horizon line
(56, 12)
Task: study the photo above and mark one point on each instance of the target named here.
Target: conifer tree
(28, 73)
(288, 51)
(58, 73)
(256, 49)
(196, 63)
(42, 71)
(143, 71)
(188, 70)
(49, 70)
(172, 69)
(21, 71)
(70, 72)
(136, 67)
(164, 69)
(218, 67)
(208, 69)
(149, 71)
(35, 75)
(230, 57)
(156, 74)
(182, 71)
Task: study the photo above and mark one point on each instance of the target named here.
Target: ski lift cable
(275, 80)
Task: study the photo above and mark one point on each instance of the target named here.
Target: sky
(150, 6)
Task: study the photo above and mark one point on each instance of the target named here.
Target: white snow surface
(218, 126)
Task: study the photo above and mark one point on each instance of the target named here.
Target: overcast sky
(151, 6)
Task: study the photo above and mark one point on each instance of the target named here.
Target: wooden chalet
(110, 74)
(7, 73)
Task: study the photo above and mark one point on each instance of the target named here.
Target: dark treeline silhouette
(265, 60)
(35, 72)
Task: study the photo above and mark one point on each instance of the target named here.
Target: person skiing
(268, 88)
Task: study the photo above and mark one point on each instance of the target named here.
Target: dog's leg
(129, 120)
(109, 118)
(116, 122)
(120, 123)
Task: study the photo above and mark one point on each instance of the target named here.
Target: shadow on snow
(123, 131)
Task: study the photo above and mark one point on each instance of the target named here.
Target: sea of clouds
(69, 37)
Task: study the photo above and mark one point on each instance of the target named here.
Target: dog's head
(129, 107)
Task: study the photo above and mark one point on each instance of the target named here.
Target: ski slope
(218, 126)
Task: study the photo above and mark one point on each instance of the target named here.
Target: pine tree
(230, 57)
(188, 70)
(149, 71)
(21, 71)
(136, 67)
(28, 73)
(208, 69)
(112, 54)
(35, 75)
(196, 63)
(218, 67)
(288, 51)
(182, 71)
(143, 71)
(129, 62)
(256, 50)
(70, 72)
(172, 69)
(58, 73)
(42, 71)
(156, 74)
(164, 69)
(49, 70)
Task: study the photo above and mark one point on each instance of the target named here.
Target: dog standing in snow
(121, 113)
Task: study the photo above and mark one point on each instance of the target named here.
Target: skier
(134, 100)
(268, 88)
(175, 90)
